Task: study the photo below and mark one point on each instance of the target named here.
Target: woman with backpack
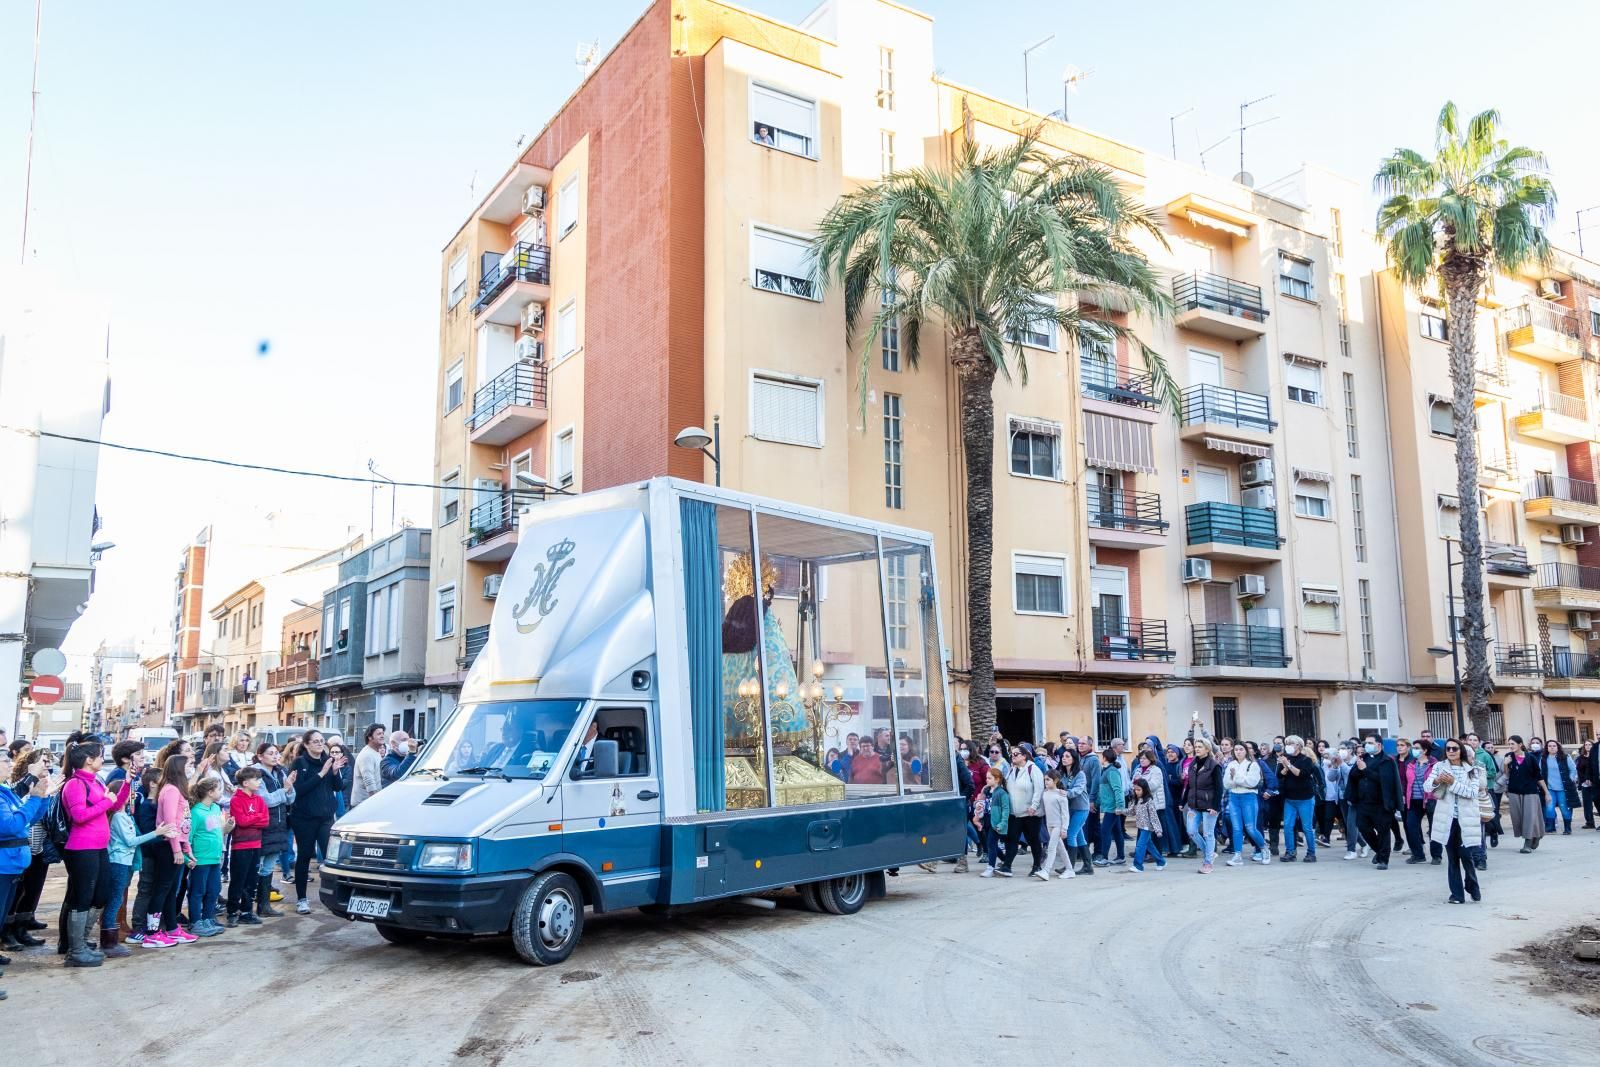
(87, 804)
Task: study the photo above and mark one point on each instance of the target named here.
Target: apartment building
(148, 707)
(1536, 426)
(293, 683)
(642, 267)
(237, 648)
(184, 680)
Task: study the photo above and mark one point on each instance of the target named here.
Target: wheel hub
(557, 916)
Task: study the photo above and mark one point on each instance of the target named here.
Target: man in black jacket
(1375, 796)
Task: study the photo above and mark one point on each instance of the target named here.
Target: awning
(1200, 218)
(1449, 500)
(1301, 474)
(1302, 361)
(1318, 596)
(1222, 444)
(1118, 444)
(1020, 424)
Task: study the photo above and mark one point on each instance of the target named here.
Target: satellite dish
(1246, 179)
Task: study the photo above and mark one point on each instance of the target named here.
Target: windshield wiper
(486, 772)
(434, 771)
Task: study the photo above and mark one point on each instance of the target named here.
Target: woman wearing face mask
(1374, 786)
(1526, 794)
(1241, 778)
(317, 781)
(1455, 785)
(1561, 776)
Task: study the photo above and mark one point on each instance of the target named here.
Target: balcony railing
(292, 675)
(238, 695)
(477, 638)
(1512, 559)
(1567, 575)
(491, 518)
(1121, 637)
(1104, 381)
(1233, 645)
(524, 263)
(1544, 315)
(1213, 292)
(1571, 407)
(1211, 522)
(1226, 407)
(522, 384)
(210, 698)
(1126, 509)
(1565, 663)
(1556, 487)
(1501, 466)
(1517, 660)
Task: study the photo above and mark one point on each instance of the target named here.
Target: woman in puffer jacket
(21, 805)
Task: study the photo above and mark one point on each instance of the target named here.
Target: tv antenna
(1211, 148)
(585, 56)
(1172, 128)
(1031, 48)
(1069, 85)
(1244, 175)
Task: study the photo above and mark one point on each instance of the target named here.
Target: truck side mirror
(602, 760)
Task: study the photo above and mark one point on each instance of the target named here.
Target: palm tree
(976, 249)
(1478, 206)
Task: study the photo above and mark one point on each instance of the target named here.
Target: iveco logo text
(378, 852)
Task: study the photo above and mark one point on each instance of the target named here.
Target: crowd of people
(1438, 801)
(187, 823)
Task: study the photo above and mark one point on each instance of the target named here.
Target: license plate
(368, 907)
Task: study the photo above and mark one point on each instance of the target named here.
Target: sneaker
(207, 928)
(1289, 857)
(1311, 857)
(1349, 855)
(303, 906)
(1261, 858)
(135, 938)
(1415, 859)
(179, 936)
(988, 872)
(1043, 876)
(249, 920)
(1002, 872)
(1101, 861)
(157, 940)
(930, 868)
(1237, 861)
(275, 897)
(1133, 870)
(1161, 866)
(1436, 861)
(1383, 866)
(1205, 868)
(1361, 851)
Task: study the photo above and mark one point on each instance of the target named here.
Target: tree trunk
(1463, 278)
(977, 373)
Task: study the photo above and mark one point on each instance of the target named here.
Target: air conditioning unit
(1260, 497)
(1264, 617)
(491, 585)
(530, 350)
(1250, 585)
(1550, 288)
(1572, 534)
(1196, 570)
(1255, 472)
(533, 200)
(533, 318)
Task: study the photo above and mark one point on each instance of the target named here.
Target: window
(1351, 447)
(455, 386)
(1304, 378)
(1300, 716)
(1294, 277)
(567, 207)
(566, 330)
(444, 619)
(1335, 231)
(456, 281)
(782, 263)
(1594, 315)
(1039, 332)
(1442, 717)
(886, 78)
(1224, 717)
(565, 460)
(1441, 417)
(1372, 717)
(1455, 622)
(1319, 609)
(377, 617)
(1342, 303)
(1311, 500)
(329, 618)
(341, 640)
(1358, 519)
(1035, 448)
(886, 152)
(1110, 716)
(889, 336)
(783, 120)
(392, 624)
(786, 410)
(899, 600)
(1449, 517)
(450, 497)
(893, 481)
(1497, 725)
(1435, 327)
(1040, 584)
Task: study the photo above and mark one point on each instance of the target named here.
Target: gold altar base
(797, 782)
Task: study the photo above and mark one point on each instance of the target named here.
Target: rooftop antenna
(587, 50)
(1244, 174)
(33, 115)
(1211, 148)
(1069, 85)
(1172, 128)
(1025, 51)
(1578, 216)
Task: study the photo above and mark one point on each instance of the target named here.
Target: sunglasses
(1452, 748)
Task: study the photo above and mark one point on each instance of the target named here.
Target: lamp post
(697, 440)
(538, 484)
(1439, 651)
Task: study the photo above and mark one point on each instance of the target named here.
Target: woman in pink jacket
(88, 804)
(171, 856)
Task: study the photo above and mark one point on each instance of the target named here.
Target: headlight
(445, 856)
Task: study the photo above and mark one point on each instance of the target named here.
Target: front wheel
(399, 935)
(842, 896)
(549, 919)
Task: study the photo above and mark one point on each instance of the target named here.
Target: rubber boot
(78, 954)
(1085, 857)
(91, 932)
(1272, 839)
(111, 946)
(9, 940)
(1534, 842)
(264, 906)
(30, 922)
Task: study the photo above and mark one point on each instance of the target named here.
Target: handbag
(1485, 806)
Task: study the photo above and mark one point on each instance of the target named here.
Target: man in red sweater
(248, 811)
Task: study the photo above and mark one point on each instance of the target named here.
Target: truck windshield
(511, 738)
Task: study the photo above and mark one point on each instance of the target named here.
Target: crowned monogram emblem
(541, 593)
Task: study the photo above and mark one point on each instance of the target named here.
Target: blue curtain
(702, 589)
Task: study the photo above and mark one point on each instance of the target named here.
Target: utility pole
(33, 118)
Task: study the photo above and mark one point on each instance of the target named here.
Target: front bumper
(441, 904)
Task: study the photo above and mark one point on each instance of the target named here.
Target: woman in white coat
(1455, 784)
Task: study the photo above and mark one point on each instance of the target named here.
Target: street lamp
(696, 439)
(530, 480)
(1500, 555)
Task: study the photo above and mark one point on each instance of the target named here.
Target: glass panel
(825, 660)
(743, 722)
(916, 669)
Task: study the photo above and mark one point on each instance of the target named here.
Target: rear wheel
(808, 896)
(843, 896)
(549, 919)
(399, 935)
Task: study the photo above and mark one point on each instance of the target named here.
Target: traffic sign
(48, 661)
(46, 689)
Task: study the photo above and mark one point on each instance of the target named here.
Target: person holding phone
(20, 809)
(1455, 784)
(88, 803)
(317, 781)
(402, 754)
(172, 808)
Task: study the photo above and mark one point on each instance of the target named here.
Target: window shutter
(782, 254)
(778, 109)
(1302, 376)
(786, 411)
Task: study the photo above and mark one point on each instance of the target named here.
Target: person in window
(764, 135)
(866, 768)
(911, 768)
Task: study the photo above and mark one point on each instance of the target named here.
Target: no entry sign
(46, 689)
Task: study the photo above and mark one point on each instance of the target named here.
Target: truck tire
(842, 896)
(808, 896)
(399, 935)
(548, 920)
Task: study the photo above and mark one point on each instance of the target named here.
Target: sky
(258, 194)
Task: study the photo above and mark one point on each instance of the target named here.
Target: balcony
(492, 529)
(1553, 499)
(1506, 566)
(1124, 518)
(1490, 384)
(1556, 418)
(1567, 586)
(1221, 307)
(514, 403)
(1232, 531)
(1517, 661)
(1570, 675)
(1498, 471)
(1216, 417)
(1233, 645)
(1543, 331)
(292, 676)
(477, 638)
(1123, 639)
(1105, 382)
(239, 694)
(210, 699)
(522, 277)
